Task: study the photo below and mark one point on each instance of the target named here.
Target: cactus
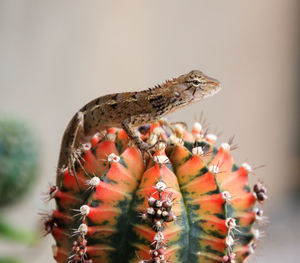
(190, 203)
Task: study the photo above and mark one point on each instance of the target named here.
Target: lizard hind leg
(76, 158)
(71, 147)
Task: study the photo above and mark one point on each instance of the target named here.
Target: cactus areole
(190, 203)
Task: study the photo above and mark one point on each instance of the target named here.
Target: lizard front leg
(144, 147)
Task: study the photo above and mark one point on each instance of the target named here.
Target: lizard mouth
(215, 88)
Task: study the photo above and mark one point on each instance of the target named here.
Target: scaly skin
(131, 109)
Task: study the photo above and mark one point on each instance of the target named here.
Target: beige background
(55, 56)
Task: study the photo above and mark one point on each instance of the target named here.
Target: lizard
(130, 109)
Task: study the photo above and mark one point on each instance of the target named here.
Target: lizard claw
(145, 148)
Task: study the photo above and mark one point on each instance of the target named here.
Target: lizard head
(196, 85)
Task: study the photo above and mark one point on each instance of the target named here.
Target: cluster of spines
(158, 214)
(80, 246)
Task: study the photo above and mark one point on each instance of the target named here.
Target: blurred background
(55, 56)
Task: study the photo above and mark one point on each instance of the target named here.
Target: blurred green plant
(19, 165)
(19, 160)
(9, 260)
(16, 234)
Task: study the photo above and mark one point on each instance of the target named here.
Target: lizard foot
(145, 148)
(172, 125)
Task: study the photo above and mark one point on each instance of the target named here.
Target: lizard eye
(196, 83)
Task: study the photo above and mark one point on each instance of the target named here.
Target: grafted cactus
(190, 203)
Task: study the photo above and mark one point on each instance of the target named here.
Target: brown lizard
(129, 109)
